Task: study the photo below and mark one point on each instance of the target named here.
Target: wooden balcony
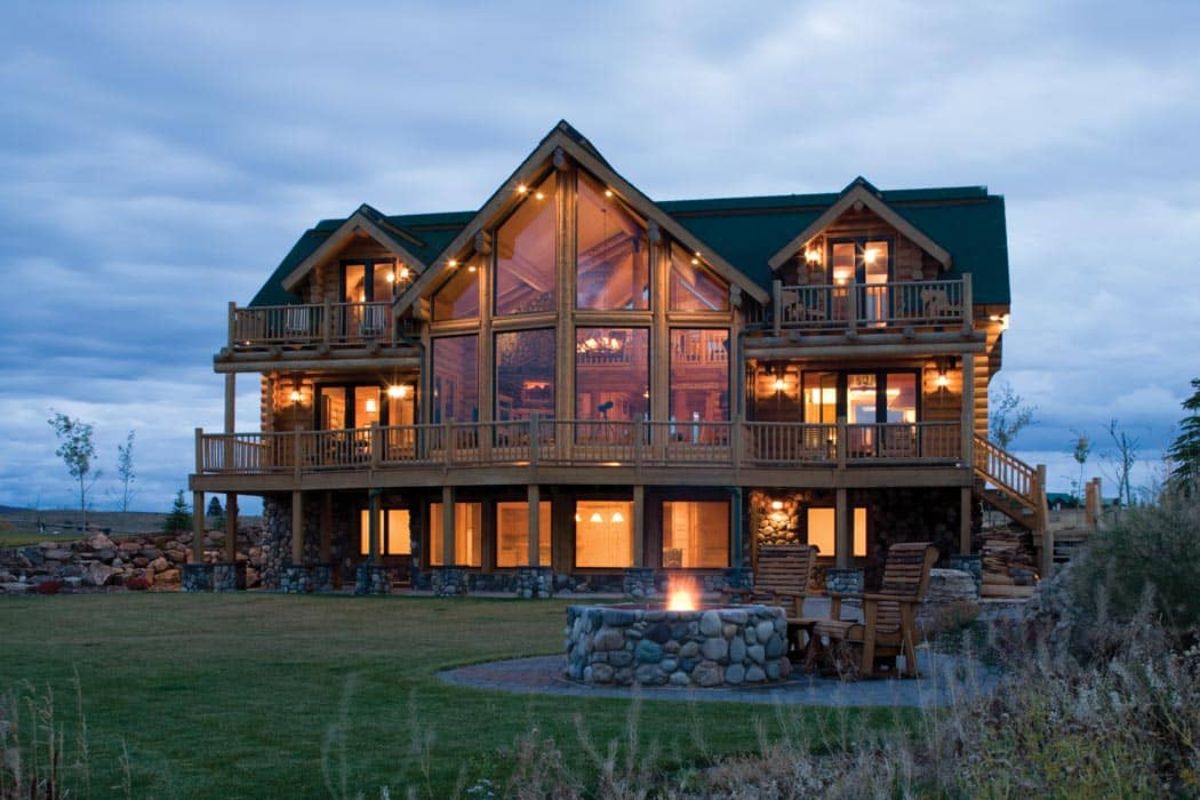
(327, 325)
(895, 306)
(730, 446)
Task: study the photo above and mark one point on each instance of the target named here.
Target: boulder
(98, 574)
(14, 587)
(100, 542)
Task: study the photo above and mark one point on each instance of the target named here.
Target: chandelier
(600, 344)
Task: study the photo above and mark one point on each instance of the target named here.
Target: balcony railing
(899, 304)
(329, 324)
(728, 444)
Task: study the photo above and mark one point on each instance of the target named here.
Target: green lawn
(226, 696)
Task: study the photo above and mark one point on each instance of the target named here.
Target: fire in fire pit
(682, 595)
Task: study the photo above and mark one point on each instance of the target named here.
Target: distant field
(21, 526)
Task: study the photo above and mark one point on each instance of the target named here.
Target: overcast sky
(157, 162)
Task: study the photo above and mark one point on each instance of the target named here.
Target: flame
(682, 595)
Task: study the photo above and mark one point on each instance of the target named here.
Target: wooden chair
(781, 579)
(888, 628)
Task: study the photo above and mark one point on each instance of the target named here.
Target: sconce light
(813, 256)
(295, 396)
(398, 391)
(404, 273)
(942, 380)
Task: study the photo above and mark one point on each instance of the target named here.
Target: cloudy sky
(157, 162)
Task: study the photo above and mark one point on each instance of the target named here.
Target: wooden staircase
(1018, 491)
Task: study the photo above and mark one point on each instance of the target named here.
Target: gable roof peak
(865, 184)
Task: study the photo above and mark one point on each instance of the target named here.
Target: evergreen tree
(1184, 452)
(180, 518)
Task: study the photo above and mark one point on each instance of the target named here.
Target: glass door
(862, 403)
(874, 307)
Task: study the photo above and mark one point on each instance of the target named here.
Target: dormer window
(369, 281)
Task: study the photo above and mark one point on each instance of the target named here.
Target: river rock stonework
(632, 645)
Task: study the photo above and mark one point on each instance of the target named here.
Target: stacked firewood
(1009, 569)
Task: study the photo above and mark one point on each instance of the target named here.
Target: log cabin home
(576, 387)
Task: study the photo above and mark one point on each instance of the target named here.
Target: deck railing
(331, 324)
(897, 304)
(694, 443)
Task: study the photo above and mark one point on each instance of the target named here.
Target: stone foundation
(372, 579)
(322, 577)
(844, 581)
(197, 577)
(295, 579)
(535, 582)
(229, 576)
(639, 583)
(631, 645)
(450, 582)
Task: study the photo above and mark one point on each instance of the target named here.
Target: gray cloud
(158, 161)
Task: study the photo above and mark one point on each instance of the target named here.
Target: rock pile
(952, 600)
(100, 561)
(1008, 562)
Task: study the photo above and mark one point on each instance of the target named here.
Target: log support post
(297, 528)
(639, 526)
(373, 498)
(964, 520)
(535, 523)
(198, 527)
(448, 555)
(843, 536)
(231, 527)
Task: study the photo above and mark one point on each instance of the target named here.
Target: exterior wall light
(398, 391)
(295, 396)
(777, 505)
(942, 380)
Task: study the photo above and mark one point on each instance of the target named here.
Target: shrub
(49, 587)
(1150, 556)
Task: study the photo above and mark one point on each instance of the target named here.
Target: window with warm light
(456, 379)
(603, 533)
(695, 534)
(526, 246)
(512, 534)
(612, 252)
(820, 397)
(612, 378)
(395, 538)
(699, 383)
(368, 281)
(366, 406)
(468, 535)
(822, 531)
(692, 286)
(459, 296)
(525, 374)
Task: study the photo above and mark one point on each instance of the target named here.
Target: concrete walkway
(945, 678)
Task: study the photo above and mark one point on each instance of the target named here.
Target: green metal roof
(746, 231)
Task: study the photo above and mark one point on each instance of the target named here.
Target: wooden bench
(888, 628)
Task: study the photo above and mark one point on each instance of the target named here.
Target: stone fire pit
(630, 645)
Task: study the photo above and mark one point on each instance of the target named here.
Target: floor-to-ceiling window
(468, 535)
(526, 247)
(512, 534)
(612, 380)
(525, 374)
(695, 534)
(699, 382)
(613, 259)
(456, 379)
(394, 533)
(603, 533)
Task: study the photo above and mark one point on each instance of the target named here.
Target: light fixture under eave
(779, 385)
(539, 196)
(608, 193)
(404, 273)
(472, 268)
(522, 188)
(398, 391)
(452, 262)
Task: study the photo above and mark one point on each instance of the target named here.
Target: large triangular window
(525, 253)
(693, 287)
(613, 256)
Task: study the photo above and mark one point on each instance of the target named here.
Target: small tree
(1010, 415)
(1184, 452)
(1083, 449)
(77, 450)
(126, 472)
(216, 513)
(1122, 460)
(180, 518)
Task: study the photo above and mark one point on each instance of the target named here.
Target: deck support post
(297, 528)
(231, 527)
(842, 534)
(535, 525)
(326, 527)
(639, 526)
(965, 520)
(448, 555)
(373, 526)
(198, 527)
(968, 411)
